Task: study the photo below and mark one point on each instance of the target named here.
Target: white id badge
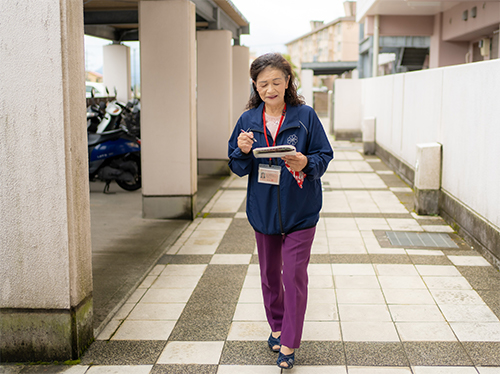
(269, 174)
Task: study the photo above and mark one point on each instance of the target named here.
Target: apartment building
(328, 46)
(426, 34)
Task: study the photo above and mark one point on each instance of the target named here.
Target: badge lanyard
(277, 131)
(298, 175)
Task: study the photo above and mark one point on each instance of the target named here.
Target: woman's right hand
(245, 141)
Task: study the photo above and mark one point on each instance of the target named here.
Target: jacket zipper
(279, 208)
(279, 194)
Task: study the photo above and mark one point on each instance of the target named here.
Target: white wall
(456, 106)
(347, 106)
(471, 134)
(421, 117)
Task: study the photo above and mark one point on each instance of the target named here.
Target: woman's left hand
(297, 162)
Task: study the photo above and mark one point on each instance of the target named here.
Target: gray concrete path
(389, 292)
(126, 246)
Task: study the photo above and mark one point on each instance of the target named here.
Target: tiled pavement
(374, 308)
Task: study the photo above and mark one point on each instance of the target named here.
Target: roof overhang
(330, 68)
(118, 20)
(367, 8)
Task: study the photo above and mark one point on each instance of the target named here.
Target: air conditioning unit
(484, 46)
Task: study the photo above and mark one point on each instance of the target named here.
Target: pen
(251, 138)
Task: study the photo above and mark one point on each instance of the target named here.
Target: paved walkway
(375, 307)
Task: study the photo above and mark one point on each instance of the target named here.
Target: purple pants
(283, 261)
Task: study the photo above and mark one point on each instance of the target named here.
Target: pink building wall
(443, 53)
(453, 39)
(486, 21)
(401, 25)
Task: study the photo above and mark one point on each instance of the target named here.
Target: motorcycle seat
(94, 139)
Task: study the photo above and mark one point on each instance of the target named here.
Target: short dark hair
(276, 61)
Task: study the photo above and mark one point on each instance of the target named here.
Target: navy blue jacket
(286, 208)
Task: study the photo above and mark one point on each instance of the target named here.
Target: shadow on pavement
(126, 246)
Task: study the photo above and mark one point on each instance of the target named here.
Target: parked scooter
(115, 155)
(117, 113)
(95, 113)
(112, 118)
(132, 117)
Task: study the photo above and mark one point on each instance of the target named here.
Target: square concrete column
(45, 247)
(215, 100)
(368, 128)
(241, 80)
(167, 31)
(116, 70)
(306, 81)
(427, 178)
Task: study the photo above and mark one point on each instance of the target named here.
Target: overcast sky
(276, 22)
(272, 24)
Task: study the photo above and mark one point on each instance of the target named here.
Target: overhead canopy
(330, 68)
(119, 20)
(400, 7)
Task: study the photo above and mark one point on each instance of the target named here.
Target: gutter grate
(420, 239)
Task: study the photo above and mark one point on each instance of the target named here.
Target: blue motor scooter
(115, 155)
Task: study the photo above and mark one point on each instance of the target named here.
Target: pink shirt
(272, 124)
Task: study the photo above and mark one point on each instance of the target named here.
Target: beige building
(336, 41)
(93, 76)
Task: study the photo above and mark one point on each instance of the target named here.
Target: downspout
(376, 37)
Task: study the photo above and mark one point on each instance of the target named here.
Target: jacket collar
(291, 117)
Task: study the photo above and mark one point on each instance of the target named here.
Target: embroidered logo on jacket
(292, 139)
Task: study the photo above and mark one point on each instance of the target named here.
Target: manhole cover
(420, 239)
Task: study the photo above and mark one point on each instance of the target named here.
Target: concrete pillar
(116, 70)
(307, 76)
(241, 80)
(376, 39)
(427, 178)
(215, 100)
(167, 32)
(498, 39)
(368, 128)
(331, 112)
(45, 247)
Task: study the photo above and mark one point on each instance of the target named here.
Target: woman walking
(284, 195)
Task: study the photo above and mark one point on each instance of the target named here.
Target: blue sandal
(272, 342)
(287, 359)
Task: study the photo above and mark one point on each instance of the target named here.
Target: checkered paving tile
(373, 308)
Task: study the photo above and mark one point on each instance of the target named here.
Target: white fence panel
(471, 136)
(396, 131)
(377, 101)
(421, 112)
(457, 106)
(347, 110)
